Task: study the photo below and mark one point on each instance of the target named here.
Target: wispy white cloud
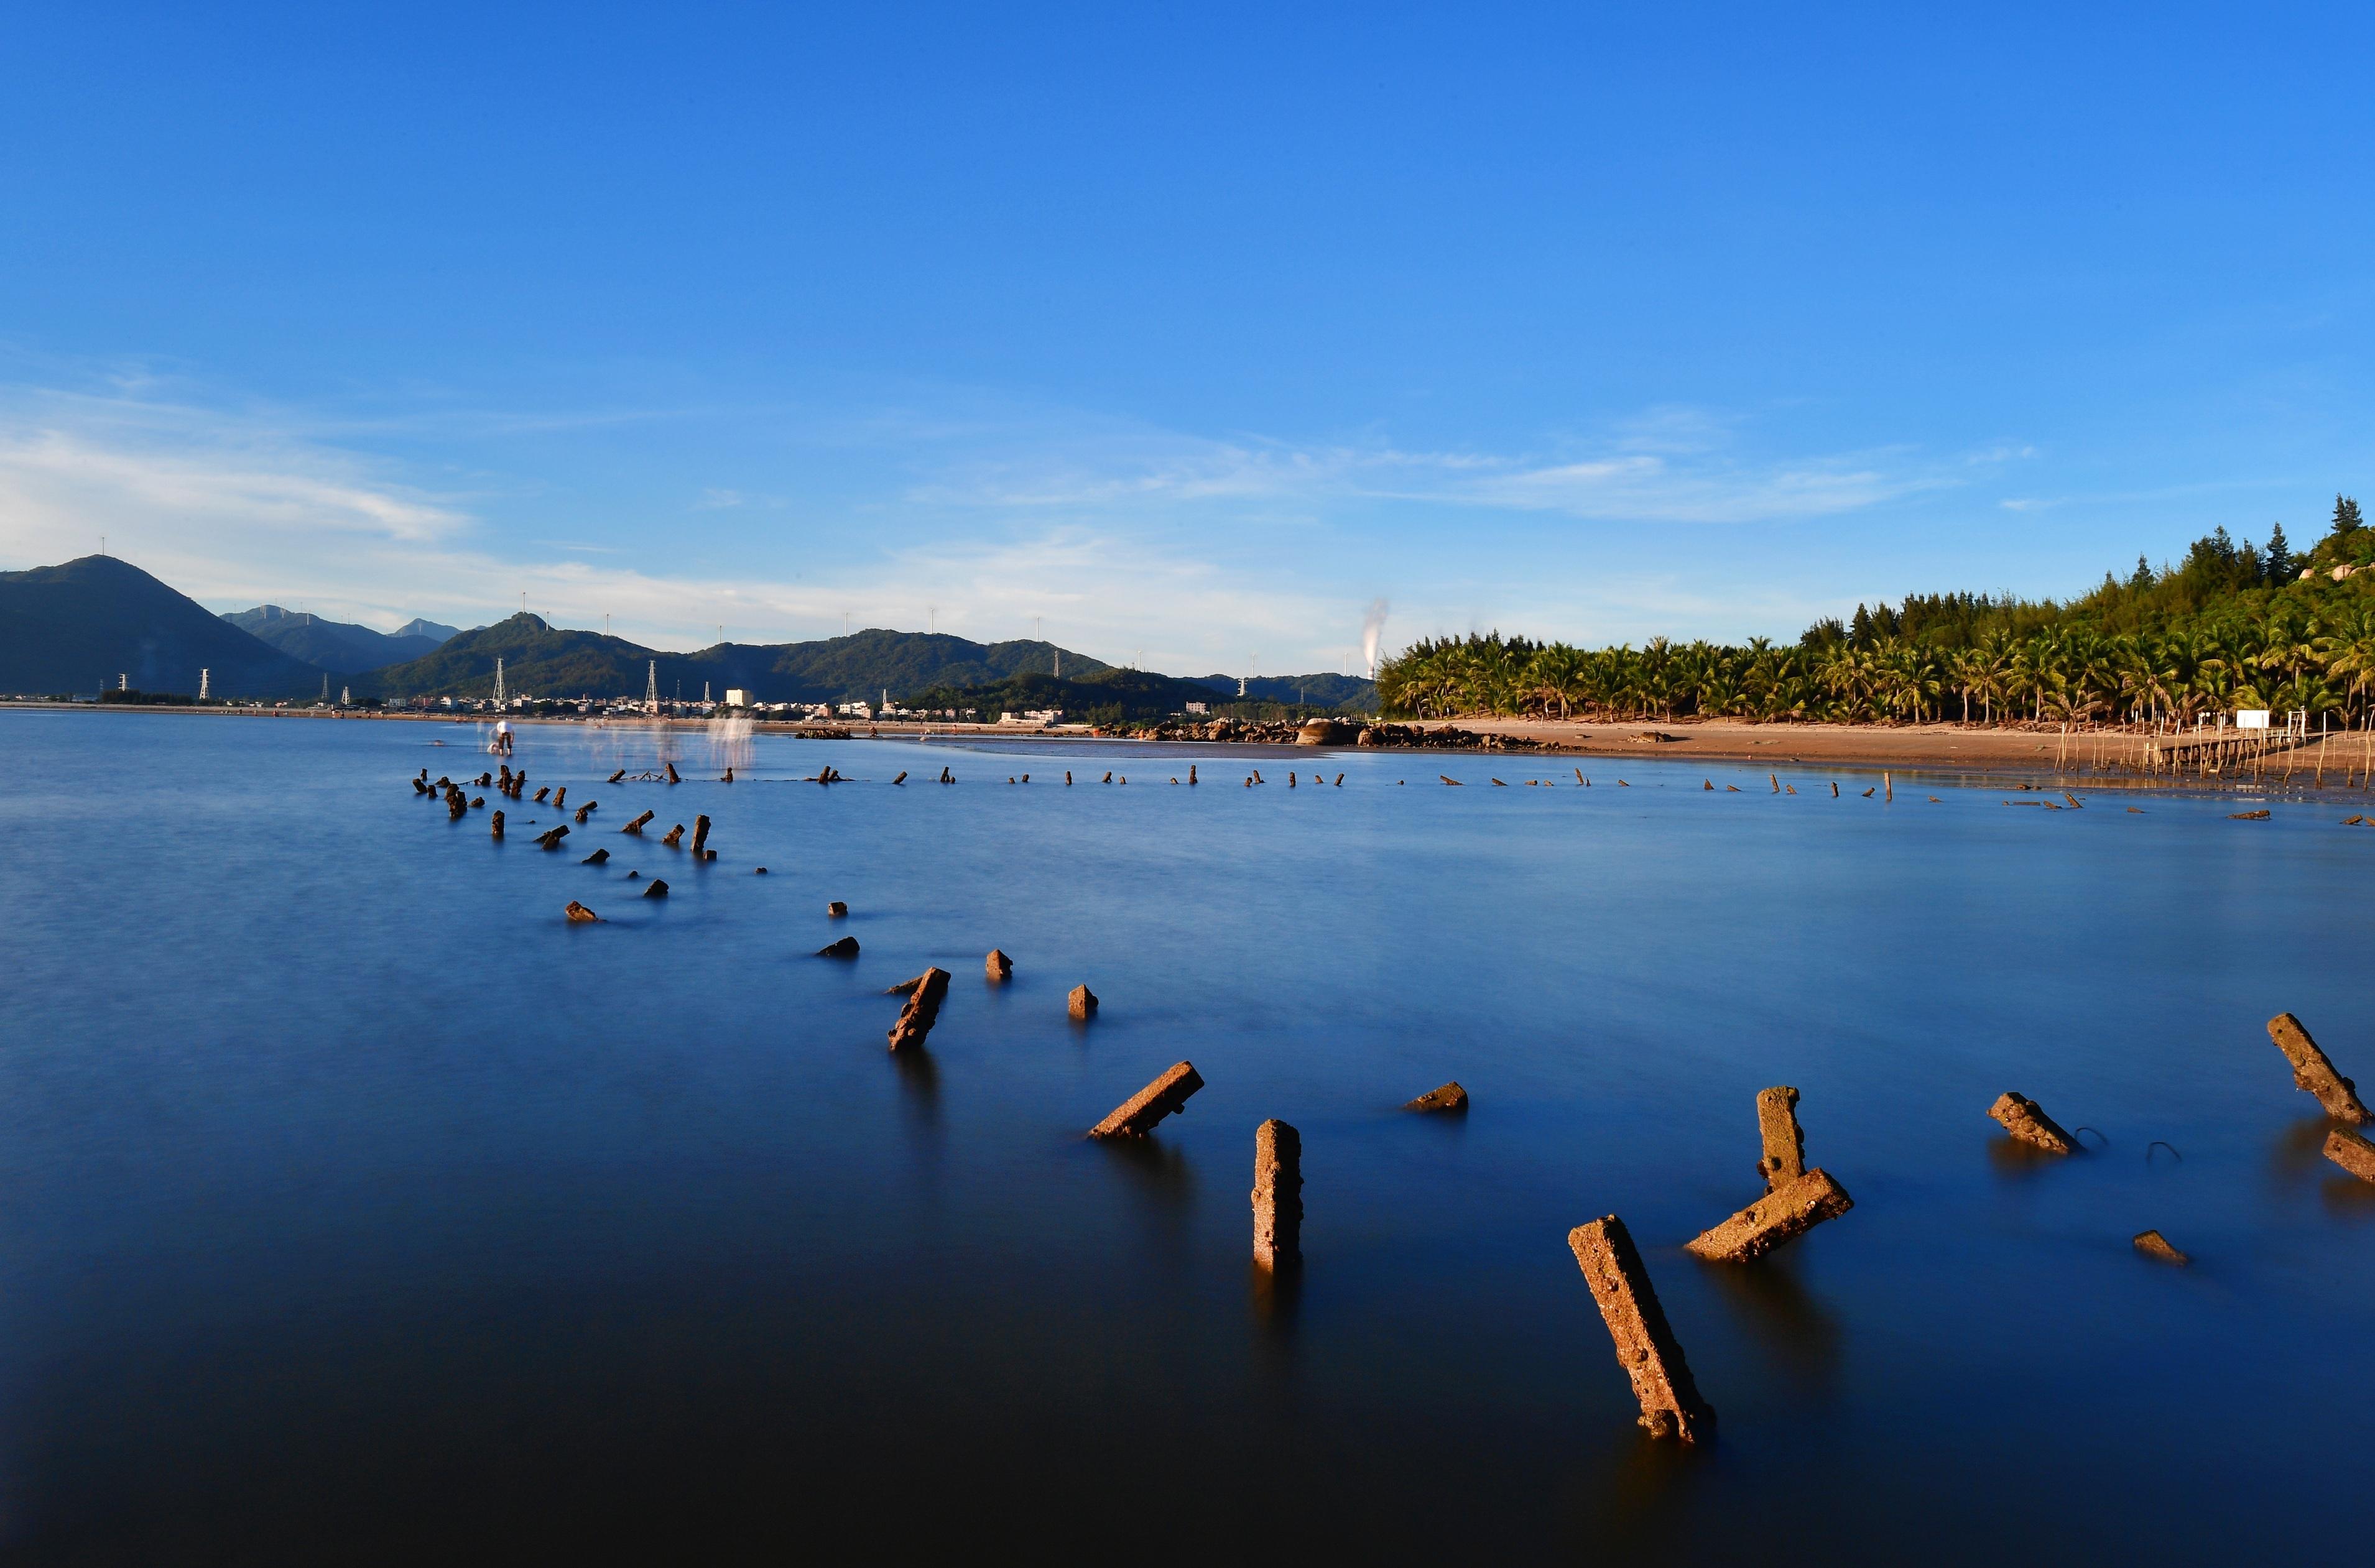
(1676, 465)
(1203, 553)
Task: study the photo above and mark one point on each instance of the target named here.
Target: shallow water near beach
(358, 1207)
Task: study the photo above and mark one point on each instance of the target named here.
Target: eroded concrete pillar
(998, 967)
(922, 1010)
(2313, 1072)
(495, 825)
(1782, 1215)
(675, 836)
(636, 827)
(2026, 1120)
(551, 838)
(1136, 1117)
(1079, 1003)
(579, 914)
(1785, 1143)
(1646, 1346)
(2353, 1153)
(1450, 1097)
(1278, 1195)
(700, 836)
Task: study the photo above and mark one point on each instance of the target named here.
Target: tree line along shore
(2232, 626)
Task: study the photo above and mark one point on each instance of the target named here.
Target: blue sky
(1192, 332)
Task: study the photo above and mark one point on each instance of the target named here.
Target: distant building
(1200, 707)
(736, 697)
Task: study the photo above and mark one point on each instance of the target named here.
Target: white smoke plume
(1373, 626)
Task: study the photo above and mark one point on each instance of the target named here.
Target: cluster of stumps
(1797, 1199)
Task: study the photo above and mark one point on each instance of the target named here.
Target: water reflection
(1800, 1334)
(2296, 1155)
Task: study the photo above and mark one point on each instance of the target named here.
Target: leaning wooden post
(1646, 1346)
(1278, 1196)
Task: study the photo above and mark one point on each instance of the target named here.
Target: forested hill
(78, 627)
(549, 661)
(2232, 625)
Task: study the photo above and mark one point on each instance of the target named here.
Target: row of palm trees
(2287, 654)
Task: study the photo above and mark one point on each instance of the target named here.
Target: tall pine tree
(2282, 567)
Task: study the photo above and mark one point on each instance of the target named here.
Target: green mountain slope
(1347, 691)
(333, 644)
(548, 661)
(77, 626)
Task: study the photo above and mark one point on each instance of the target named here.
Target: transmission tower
(499, 683)
(202, 683)
(652, 689)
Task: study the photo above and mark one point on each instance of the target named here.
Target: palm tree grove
(2234, 625)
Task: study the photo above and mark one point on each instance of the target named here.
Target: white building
(736, 697)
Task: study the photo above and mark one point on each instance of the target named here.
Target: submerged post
(1785, 1143)
(2026, 1120)
(923, 1010)
(1646, 1346)
(1278, 1195)
(2313, 1073)
(1137, 1116)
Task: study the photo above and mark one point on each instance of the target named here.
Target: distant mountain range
(79, 627)
(549, 661)
(76, 628)
(338, 644)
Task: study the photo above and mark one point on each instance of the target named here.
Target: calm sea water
(354, 1206)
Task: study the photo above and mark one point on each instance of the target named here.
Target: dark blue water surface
(357, 1207)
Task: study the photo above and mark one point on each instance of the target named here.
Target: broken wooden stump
(1136, 1117)
(844, 948)
(636, 827)
(586, 810)
(1080, 1002)
(551, 838)
(495, 825)
(599, 858)
(1785, 1144)
(2026, 1120)
(1646, 1346)
(477, 803)
(2353, 1153)
(614, 778)
(675, 837)
(998, 967)
(901, 778)
(671, 772)
(1278, 1196)
(579, 914)
(658, 890)
(420, 787)
(1782, 1215)
(837, 910)
(456, 806)
(561, 797)
(925, 994)
(1450, 1097)
(2314, 1073)
(2154, 1245)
